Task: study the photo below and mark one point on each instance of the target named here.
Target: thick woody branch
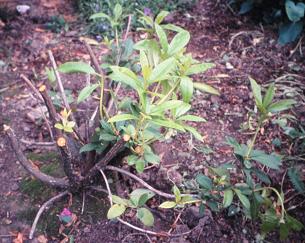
(115, 149)
(49, 180)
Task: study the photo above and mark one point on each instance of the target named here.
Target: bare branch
(39, 96)
(42, 208)
(163, 194)
(31, 85)
(37, 144)
(58, 79)
(49, 180)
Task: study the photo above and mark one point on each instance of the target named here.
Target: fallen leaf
(19, 238)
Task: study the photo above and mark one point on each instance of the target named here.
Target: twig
(83, 203)
(50, 180)
(175, 222)
(299, 44)
(163, 194)
(29, 83)
(111, 102)
(128, 27)
(34, 143)
(39, 96)
(97, 67)
(58, 79)
(42, 208)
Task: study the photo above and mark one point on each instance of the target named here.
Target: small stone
(229, 66)
(22, 9)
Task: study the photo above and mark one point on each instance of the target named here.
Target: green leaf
(284, 231)
(168, 204)
(88, 147)
(122, 117)
(167, 105)
(246, 6)
(269, 96)
(100, 15)
(182, 109)
(194, 132)
(145, 216)
(296, 179)
(244, 200)
(273, 161)
(162, 37)
(151, 158)
(140, 196)
(191, 118)
(179, 41)
(161, 16)
(107, 137)
(227, 198)
(168, 124)
(187, 88)
(161, 71)
(177, 193)
(86, 92)
(270, 221)
(289, 32)
(206, 88)
(117, 11)
(119, 200)
(281, 105)
(262, 176)
(140, 165)
(59, 126)
(115, 211)
(199, 68)
(294, 223)
(76, 67)
(131, 159)
(126, 76)
(295, 12)
(257, 93)
(204, 181)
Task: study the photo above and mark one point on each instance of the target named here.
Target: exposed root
(42, 208)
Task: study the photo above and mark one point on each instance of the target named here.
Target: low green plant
(137, 201)
(164, 87)
(251, 185)
(88, 8)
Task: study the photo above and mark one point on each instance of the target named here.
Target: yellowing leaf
(168, 204)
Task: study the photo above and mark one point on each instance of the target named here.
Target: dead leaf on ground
(19, 238)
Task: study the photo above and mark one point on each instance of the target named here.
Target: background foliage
(287, 14)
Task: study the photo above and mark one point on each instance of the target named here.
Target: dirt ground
(238, 46)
